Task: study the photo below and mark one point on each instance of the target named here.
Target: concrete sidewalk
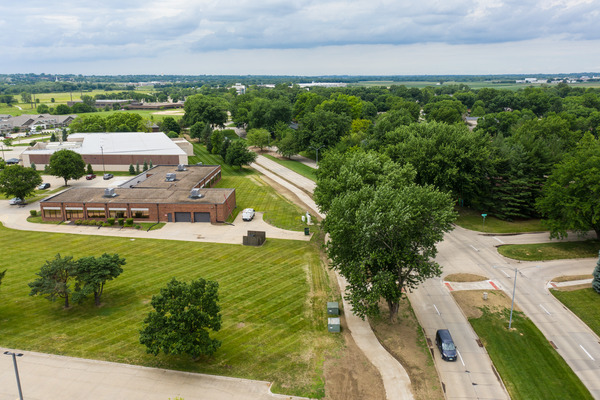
(47, 377)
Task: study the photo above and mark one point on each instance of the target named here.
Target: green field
(272, 298)
(551, 251)
(528, 365)
(252, 191)
(296, 166)
(472, 219)
(585, 303)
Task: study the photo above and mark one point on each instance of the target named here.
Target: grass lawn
(551, 251)
(585, 303)
(296, 166)
(273, 302)
(472, 219)
(528, 365)
(252, 191)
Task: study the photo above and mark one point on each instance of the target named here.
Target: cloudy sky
(301, 37)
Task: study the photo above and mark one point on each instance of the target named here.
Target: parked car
(444, 342)
(89, 177)
(44, 186)
(15, 201)
(248, 214)
(107, 176)
(12, 161)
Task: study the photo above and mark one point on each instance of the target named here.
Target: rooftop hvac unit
(195, 193)
(109, 192)
(180, 167)
(171, 177)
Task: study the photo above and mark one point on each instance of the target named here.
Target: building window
(74, 214)
(117, 213)
(52, 213)
(96, 213)
(140, 213)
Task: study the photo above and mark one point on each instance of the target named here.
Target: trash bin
(307, 231)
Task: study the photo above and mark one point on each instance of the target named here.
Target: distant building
(166, 193)
(29, 122)
(113, 151)
(239, 88)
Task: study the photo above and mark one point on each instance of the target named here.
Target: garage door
(201, 217)
(183, 217)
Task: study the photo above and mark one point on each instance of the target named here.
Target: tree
(64, 134)
(26, 97)
(183, 316)
(131, 169)
(238, 154)
(259, 138)
(216, 141)
(211, 110)
(287, 146)
(89, 170)
(53, 137)
(570, 198)
(383, 241)
(42, 109)
(7, 98)
(169, 124)
(18, 181)
(322, 128)
(137, 168)
(595, 281)
(197, 129)
(92, 273)
(62, 109)
(145, 168)
(67, 164)
(54, 279)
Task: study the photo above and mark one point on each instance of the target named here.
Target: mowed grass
(472, 219)
(296, 166)
(252, 192)
(585, 303)
(551, 251)
(528, 365)
(273, 301)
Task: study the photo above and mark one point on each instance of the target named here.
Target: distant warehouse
(114, 151)
(166, 193)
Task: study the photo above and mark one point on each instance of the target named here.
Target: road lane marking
(474, 248)
(494, 285)
(589, 355)
(436, 309)
(448, 285)
(461, 359)
(498, 240)
(505, 273)
(543, 308)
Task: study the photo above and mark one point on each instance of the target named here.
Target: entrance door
(183, 217)
(201, 217)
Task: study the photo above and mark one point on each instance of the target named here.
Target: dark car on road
(12, 161)
(444, 342)
(89, 177)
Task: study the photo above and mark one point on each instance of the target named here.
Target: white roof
(151, 143)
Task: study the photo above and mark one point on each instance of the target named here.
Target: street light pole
(102, 150)
(14, 357)
(317, 150)
(512, 305)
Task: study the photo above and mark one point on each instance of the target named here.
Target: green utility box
(333, 324)
(333, 308)
(306, 231)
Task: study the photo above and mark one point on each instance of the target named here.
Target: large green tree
(258, 137)
(570, 198)
(184, 316)
(92, 273)
(211, 110)
(67, 164)
(383, 241)
(18, 181)
(53, 279)
(238, 154)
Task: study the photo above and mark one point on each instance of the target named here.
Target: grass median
(551, 251)
(273, 301)
(530, 368)
(296, 166)
(472, 219)
(585, 303)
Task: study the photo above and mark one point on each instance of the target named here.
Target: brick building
(114, 151)
(161, 194)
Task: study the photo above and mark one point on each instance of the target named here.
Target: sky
(300, 37)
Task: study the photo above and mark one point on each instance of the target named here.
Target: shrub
(121, 221)
(78, 222)
(33, 213)
(106, 224)
(129, 222)
(110, 221)
(99, 223)
(138, 226)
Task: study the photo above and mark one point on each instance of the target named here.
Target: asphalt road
(471, 252)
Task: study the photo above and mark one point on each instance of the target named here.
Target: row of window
(79, 214)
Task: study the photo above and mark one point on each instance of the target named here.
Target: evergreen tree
(596, 280)
(131, 169)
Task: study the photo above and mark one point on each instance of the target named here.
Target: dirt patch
(573, 287)
(471, 301)
(404, 339)
(350, 375)
(566, 278)
(170, 112)
(464, 278)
